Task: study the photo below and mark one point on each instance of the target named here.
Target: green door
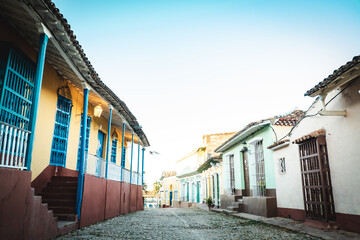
(198, 192)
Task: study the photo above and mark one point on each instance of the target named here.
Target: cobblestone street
(181, 223)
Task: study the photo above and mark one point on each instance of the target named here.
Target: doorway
(170, 197)
(100, 146)
(246, 173)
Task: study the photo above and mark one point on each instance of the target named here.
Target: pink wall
(22, 215)
(112, 199)
(104, 199)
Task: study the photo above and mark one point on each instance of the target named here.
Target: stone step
(238, 197)
(64, 179)
(228, 212)
(66, 217)
(61, 188)
(65, 227)
(60, 202)
(58, 195)
(62, 184)
(234, 208)
(62, 210)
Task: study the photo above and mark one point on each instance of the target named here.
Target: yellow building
(170, 188)
(47, 85)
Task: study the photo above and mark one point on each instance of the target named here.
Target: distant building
(199, 171)
(248, 171)
(170, 188)
(149, 199)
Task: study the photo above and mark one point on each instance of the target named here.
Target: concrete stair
(60, 195)
(238, 205)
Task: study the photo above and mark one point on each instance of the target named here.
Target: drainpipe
(137, 180)
(36, 97)
(108, 143)
(122, 150)
(142, 166)
(132, 146)
(82, 153)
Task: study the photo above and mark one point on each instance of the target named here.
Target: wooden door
(246, 173)
(316, 181)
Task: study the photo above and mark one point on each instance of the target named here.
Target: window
(232, 173)
(87, 136)
(260, 186)
(123, 155)
(113, 150)
(316, 181)
(61, 132)
(282, 166)
(17, 80)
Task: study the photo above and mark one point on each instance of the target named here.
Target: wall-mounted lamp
(244, 142)
(114, 136)
(98, 111)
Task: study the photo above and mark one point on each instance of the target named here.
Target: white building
(317, 166)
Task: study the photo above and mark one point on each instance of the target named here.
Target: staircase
(60, 195)
(238, 205)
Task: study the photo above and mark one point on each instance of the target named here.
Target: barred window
(260, 186)
(282, 166)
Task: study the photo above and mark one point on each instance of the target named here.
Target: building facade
(317, 178)
(83, 167)
(248, 171)
(170, 188)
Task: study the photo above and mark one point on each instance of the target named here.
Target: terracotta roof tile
(278, 143)
(334, 75)
(310, 135)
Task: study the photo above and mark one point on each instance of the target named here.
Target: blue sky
(188, 68)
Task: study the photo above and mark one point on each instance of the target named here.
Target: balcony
(96, 167)
(13, 146)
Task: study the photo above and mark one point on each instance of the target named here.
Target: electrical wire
(313, 115)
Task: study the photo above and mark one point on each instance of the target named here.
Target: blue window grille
(61, 132)
(113, 150)
(17, 76)
(88, 123)
(123, 155)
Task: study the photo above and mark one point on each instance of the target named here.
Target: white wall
(343, 144)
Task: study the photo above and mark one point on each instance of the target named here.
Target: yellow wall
(167, 183)
(47, 111)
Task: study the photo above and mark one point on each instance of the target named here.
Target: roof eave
(241, 137)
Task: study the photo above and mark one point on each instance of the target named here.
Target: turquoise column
(132, 146)
(137, 180)
(142, 166)
(36, 96)
(82, 154)
(122, 150)
(107, 144)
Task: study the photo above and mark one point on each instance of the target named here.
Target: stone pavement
(182, 223)
(293, 225)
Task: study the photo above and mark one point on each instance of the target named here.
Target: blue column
(132, 146)
(142, 166)
(107, 144)
(137, 180)
(36, 96)
(122, 150)
(82, 154)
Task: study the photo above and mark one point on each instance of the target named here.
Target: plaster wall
(342, 137)
(170, 184)
(289, 192)
(267, 136)
(47, 110)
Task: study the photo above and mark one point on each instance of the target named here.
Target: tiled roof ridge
(334, 75)
(92, 73)
(310, 135)
(278, 143)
